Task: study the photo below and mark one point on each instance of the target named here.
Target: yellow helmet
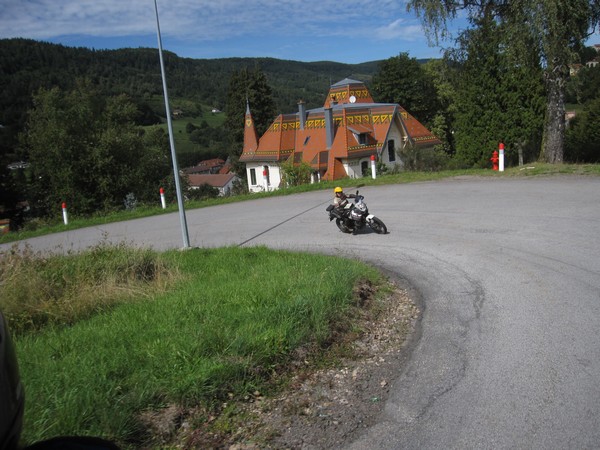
(338, 189)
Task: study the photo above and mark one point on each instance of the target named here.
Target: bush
(427, 159)
(295, 174)
(582, 142)
(203, 192)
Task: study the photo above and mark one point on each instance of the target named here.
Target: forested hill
(26, 65)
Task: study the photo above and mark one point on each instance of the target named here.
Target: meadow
(108, 334)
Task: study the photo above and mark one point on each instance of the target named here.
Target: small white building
(223, 182)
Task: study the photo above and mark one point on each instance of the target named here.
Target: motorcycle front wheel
(342, 226)
(378, 226)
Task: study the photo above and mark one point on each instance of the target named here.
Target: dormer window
(361, 134)
(361, 138)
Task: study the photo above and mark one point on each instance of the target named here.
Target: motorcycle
(355, 216)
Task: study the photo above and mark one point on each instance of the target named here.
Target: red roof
(215, 180)
(360, 129)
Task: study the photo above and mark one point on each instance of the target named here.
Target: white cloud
(311, 30)
(194, 19)
(400, 29)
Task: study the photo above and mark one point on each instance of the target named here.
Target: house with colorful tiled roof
(337, 140)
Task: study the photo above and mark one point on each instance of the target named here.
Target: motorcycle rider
(340, 201)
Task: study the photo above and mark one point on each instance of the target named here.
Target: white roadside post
(65, 215)
(501, 162)
(373, 171)
(162, 198)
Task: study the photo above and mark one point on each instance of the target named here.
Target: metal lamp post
(184, 229)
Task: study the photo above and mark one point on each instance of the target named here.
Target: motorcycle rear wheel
(378, 226)
(342, 226)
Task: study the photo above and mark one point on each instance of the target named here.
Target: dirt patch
(320, 407)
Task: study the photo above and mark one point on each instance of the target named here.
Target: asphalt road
(508, 271)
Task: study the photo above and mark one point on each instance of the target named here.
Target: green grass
(232, 317)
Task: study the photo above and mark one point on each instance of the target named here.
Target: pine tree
(496, 99)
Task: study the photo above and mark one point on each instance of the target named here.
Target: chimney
(302, 113)
(329, 127)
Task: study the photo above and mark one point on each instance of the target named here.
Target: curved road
(508, 270)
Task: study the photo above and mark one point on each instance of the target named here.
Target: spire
(250, 136)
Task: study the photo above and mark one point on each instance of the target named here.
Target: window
(361, 138)
(253, 177)
(391, 151)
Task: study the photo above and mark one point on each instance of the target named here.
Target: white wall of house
(256, 179)
(389, 156)
(354, 166)
(389, 153)
(226, 190)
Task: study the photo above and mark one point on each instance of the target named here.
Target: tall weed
(38, 290)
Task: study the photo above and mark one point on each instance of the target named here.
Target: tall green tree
(441, 74)
(557, 27)
(85, 149)
(401, 79)
(247, 87)
(496, 98)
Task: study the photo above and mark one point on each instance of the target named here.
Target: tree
(557, 28)
(247, 87)
(402, 80)
(496, 98)
(85, 149)
(441, 73)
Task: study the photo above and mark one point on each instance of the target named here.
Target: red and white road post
(501, 160)
(65, 215)
(162, 198)
(373, 171)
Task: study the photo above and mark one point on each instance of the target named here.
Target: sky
(348, 31)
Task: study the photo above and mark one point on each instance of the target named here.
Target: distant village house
(223, 182)
(214, 172)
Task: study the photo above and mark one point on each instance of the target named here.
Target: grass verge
(231, 319)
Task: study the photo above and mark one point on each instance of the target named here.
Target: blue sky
(349, 31)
